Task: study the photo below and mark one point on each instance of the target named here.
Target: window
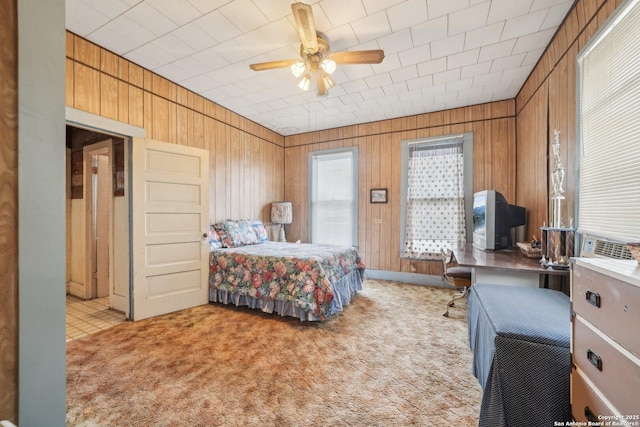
(437, 190)
(333, 188)
(609, 129)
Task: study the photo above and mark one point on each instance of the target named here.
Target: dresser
(605, 341)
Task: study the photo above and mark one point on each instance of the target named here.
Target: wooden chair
(456, 276)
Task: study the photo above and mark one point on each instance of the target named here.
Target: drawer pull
(593, 298)
(594, 359)
(590, 415)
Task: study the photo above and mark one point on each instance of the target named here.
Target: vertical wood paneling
(518, 170)
(87, 53)
(562, 110)
(375, 217)
(109, 63)
(123, 102)
(242, 154)
(9, 213)
(136, 106)
(553, 75)
(221, 203)
(86, 90)
(303, 178)
(367, 154)
(147, 113)
(292, 191)
(386, 153)
(197, 137)
(69, 82)
(393, 218)
(136, 75)
(532, 161)
(235, 171)
(257, 171)
(109, 97)
(266, 181)
(209, 145)
(379, 167)
(182, 125)
(173, 122)
(160, 118)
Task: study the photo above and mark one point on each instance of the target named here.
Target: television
(493, 219)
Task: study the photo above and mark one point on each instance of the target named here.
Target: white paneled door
(170, 217)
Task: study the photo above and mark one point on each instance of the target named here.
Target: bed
(308, 281)
(520, 342)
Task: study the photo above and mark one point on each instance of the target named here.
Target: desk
(507, 267)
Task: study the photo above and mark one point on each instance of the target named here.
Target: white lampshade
(298, 68)
(328, 81)
(281, 213)
(328, 65)
(305, 83)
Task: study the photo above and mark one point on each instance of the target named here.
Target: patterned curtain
(435, 200)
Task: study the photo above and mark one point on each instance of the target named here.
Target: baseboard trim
(413, 278)
(76, 289)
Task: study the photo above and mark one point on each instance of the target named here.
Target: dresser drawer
(586, 405)
(610, 304)
(616, 376)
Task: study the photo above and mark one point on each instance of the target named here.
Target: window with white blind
(608, 202)
(333, 201)
(437, 188)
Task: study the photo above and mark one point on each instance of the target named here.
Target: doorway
(98, 205)
(97, 218)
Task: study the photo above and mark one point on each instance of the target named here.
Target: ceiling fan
(316, 60)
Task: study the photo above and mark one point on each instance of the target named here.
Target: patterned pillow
(261, 232)
(246, 232)
(236, 233)
(215, 241)
(227, 241)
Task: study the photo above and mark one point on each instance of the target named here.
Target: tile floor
(90, 316)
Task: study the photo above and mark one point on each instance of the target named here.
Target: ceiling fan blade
(303, 15)
(283, 63)
(359, 57)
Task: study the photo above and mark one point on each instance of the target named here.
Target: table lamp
(281, 213)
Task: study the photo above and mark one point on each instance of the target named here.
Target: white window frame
(311, 178)
(467, 146)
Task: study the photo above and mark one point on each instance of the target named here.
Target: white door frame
(99, 148)
(106, 126)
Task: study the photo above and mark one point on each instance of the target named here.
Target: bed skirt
(343, 290)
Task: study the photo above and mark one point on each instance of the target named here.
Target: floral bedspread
(297, 273)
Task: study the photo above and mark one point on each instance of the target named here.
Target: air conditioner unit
(596, 247)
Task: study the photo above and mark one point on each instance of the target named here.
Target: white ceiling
(439, 54)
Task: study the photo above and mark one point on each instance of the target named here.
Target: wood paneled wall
(546, 102)
(108, 85)
(9, 211)
(246, 159)
(494, 157)
(531, 161)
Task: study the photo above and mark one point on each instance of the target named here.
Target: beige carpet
(391, 359)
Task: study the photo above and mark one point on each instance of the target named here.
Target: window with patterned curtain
(435, 198)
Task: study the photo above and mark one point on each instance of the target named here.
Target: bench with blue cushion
(521, 354)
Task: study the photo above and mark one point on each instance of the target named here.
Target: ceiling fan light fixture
(298, 68)
(305, 83)
(328, 65)
(316, 59)
(328, 81)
